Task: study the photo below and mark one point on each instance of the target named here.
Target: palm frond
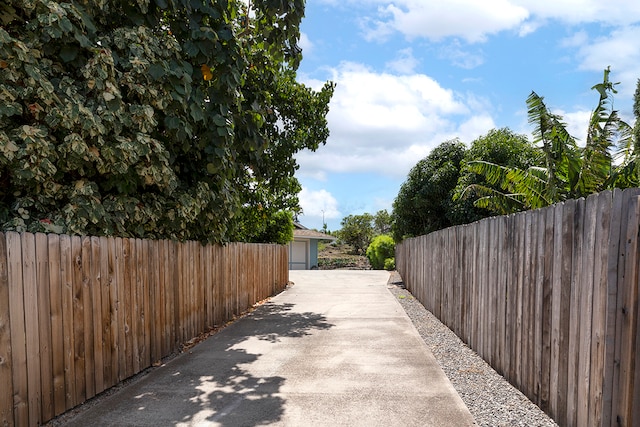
(496, 201)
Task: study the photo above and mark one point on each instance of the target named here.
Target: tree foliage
(425, 200)
(162, 118)
(382, 222)
(501, 147)
(357, 231)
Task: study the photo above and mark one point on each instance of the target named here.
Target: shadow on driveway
(225, 380)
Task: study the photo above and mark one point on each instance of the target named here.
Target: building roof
(301, 231)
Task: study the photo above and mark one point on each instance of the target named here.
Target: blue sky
(412, 74)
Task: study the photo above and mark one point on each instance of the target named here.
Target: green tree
(425, 200)
(380, 250)
(501, 147)
(382, 222)
(569, 171)
(357, 231)
(170, 118)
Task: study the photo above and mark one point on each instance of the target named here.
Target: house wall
(313, 253)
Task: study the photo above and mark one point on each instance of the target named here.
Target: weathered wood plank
(501, 281)
(177, 298)
(78, 322)
(586, 311)
(95, 285)
(129, 276)
(556, 313)
(521, 253)
(6, 366)
(528, 297)
(568, 215)
(199, 288)
(509, 282)
(116, 312)
(120, 260)
(56, 291)
(547, 321)
(18, 330)
(171, 271)
(146, 317)
(106, 344)
(166, 284)
(577, 274)
(598, 331)
(220, 282)
(140, 349)
(627, 312)
(43, 304)
(66, 276)
(209, 284)
(610, 369)
(156, 288)
(30, 290)
(494, 245)
(88, 310)
(538, 319)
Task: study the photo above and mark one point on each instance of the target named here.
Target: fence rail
(80, 314)
(549, 298)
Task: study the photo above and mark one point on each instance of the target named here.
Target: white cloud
(471, 20)
(460, 57)
(404, 63)
(385, 123)
(313, 203)
(621, 51)
(577, 123)
(578, 39)
(612, 12)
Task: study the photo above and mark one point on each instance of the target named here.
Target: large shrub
(425, 200)
(380, 251)
(161, 118)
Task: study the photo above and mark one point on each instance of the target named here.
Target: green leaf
(172, 122)
(156, 71)
(196, 113)
(68, 53)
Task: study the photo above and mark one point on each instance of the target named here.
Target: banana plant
(569, 171)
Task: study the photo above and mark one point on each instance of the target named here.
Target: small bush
(380, 249)
(390, 264)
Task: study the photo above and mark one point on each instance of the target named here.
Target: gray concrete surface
(335, 349)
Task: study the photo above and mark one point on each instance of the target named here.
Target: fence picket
(18, 330)
(6, 368)
(43, 303)
(57, 326)
(88, 310)
(95, 284)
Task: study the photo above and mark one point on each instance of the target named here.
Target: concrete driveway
(335, 349)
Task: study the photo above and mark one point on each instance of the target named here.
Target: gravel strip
(490, 398)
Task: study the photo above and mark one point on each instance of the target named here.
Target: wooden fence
(549, 298)
(80, 314)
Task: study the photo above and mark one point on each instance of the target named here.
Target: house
(303, 250)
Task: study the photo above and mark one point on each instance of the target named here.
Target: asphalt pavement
(334, 349)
